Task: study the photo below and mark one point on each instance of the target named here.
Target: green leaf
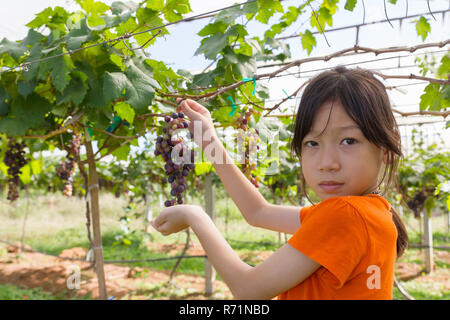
(60, 70)
(174, 9)
(26, 87)
(25, 114)
(137, 84)
(36, 166)
(444, 68)
(213, 28)
(350, 5)
(202, 168)
(321, 17)
(423, 27)
(157, 5)
(14, 49)
(435, 97)
(122, 152)
(75, 91)
(212, 46)
(25, 174)
(118, 7)
(308, 41)
(267, 8)
(125, 111)
(228, 16)
(4, 102)
(93, 8)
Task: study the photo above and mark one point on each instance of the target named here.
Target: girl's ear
(385, 155)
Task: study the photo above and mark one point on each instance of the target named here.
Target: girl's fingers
(158, 222)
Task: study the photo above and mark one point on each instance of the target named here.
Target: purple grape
(168, 203)
(167, 119)
(173, 192)
(181, 188)
(185, 172)
(174, 115)
(185, 124)
(180, 201)
(181, 115)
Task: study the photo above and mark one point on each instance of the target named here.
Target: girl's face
(341, 161)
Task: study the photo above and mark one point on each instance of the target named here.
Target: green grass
(421, 291)
(11, 292)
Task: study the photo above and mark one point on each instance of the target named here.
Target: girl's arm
(284, 269)
(255, 209)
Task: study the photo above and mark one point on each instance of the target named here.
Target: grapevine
(66, 169)
(15, 160)
(247, 142)
(178, 158)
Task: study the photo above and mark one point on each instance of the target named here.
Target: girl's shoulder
(348, 205)
(356, 201)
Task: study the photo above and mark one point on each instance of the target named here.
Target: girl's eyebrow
(343, 128)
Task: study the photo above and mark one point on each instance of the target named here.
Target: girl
(345, 246)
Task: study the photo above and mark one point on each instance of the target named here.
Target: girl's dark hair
(366, 102)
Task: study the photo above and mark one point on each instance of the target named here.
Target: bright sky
(178, 48)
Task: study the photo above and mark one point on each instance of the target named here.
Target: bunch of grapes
(247, 142)
(15, 160)
(66, 169)
(178, 158)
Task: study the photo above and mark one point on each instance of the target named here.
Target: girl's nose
(328, 159)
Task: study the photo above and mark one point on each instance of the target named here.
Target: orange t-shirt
(353, 238)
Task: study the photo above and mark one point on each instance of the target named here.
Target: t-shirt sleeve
(334, 235)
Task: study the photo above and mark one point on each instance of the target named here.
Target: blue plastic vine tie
(285, 93)
(114, 125)
(91, 132)
(254, 83)
(232, 106)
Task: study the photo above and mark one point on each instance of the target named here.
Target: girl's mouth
(330, 187)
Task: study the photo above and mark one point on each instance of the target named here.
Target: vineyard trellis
(61, 88)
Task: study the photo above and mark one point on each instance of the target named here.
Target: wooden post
(148, 209)
(95, 211)
(210, 199)
(428, 242)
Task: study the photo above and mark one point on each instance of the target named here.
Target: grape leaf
(25, 114)
(4, 99)
(211, 46)
(308, 41)
(267, 8)
(93, 8)
(75, 91)
(124, 111)
(350, 5)
(137, 85)
(423, 27)
(122, 152)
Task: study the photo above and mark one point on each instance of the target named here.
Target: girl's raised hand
(196, 112)
(176, 218)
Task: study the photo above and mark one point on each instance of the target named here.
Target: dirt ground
(34, 270)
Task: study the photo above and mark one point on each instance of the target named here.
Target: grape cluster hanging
(178, 158)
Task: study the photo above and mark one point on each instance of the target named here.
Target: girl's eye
(352, 141)
(306, 143)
